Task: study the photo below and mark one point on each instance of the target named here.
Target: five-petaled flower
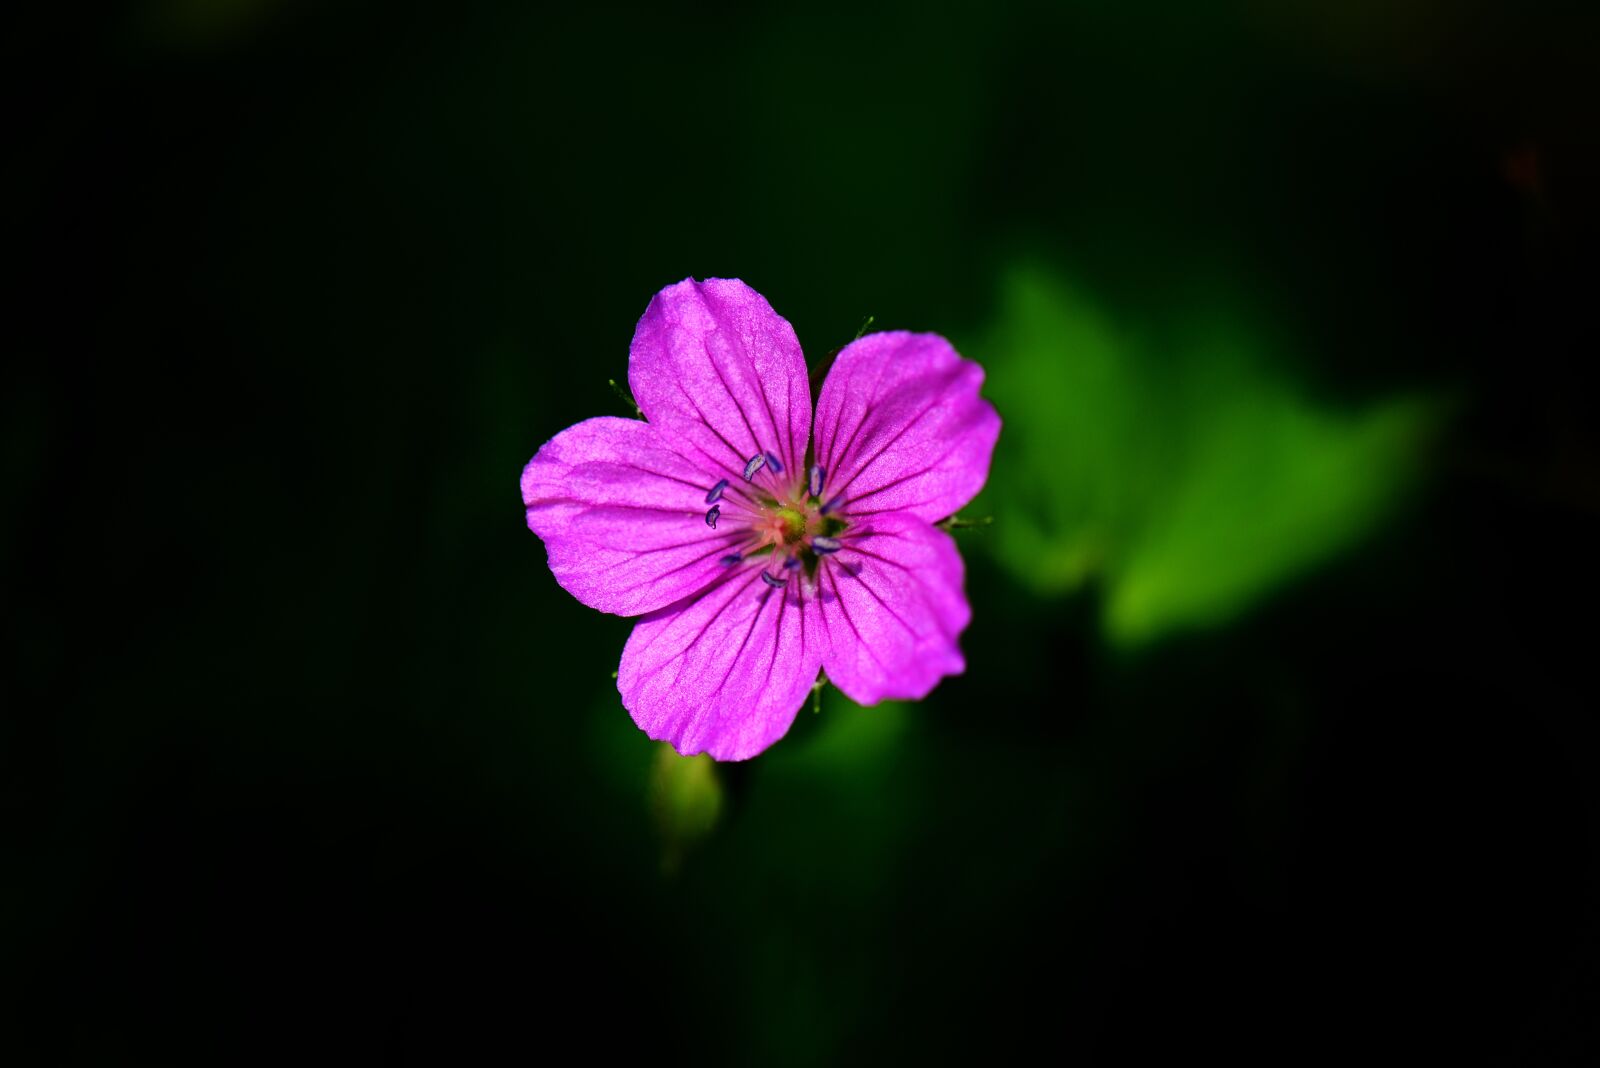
(756, 552)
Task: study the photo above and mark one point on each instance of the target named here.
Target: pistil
(788, 529)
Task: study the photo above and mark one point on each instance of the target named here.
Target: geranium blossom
(756, 552)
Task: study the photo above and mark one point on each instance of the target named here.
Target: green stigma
(794, 524)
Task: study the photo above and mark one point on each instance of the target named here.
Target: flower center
(788, 522)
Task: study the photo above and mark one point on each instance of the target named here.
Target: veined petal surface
(893, 607)
(726, 672)
(713, 364)
(901, 427)
(622, 516)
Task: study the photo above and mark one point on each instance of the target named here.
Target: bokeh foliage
(1172, 460)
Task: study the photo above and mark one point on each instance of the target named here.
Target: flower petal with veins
(622, 516)
(724, 673)
(901, 427)
(713, 363)
(893, 606)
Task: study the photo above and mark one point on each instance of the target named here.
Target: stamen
(716, 491)
(772, 462)
(711, 516)
(815, 483)
(831, 505)
(775, 583)
(824, 545)
(792, 563)
(754, 464)
(729, 561)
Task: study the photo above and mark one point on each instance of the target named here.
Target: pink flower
(755, 554)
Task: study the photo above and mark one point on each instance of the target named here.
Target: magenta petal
(622, 516)
(725, 673)
(893, 607)
(714, 365)
(901, 428)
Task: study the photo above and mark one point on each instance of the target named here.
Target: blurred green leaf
(686, 799)
(851, 738)
(1181, 470)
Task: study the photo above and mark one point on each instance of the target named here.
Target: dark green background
(307, 754)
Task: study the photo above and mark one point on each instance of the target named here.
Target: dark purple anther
(815, 481)
(831, 505)
(772, 462)
(711, 516)
(729, 561)
(775, 583)
(716, 491)
(755, 463)
(792, 563)
(824, 546)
